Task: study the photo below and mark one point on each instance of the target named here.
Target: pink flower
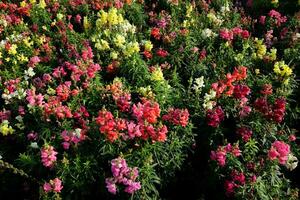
(33, 61)
(54, 185)
(57, 185)
(48, 155)
(47, 187)
(279, 150)
(215, 116)
(226, 34)
(292, 138)
(177, 116)
(262, 20)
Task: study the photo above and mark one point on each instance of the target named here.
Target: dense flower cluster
(177, 116)
(122, 174)
(85, 81)
(279, 150)
(54, 185)
(48, 156)
(275, 112)
(215, 116)
(220, 154)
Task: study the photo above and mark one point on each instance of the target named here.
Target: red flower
(162, 53)
(155, 32)
(215, 116)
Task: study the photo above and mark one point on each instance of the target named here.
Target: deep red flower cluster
(237, 179)
(215, 116)
(275, 112)
(226, 85)
(245, 133)
(241, 91)
(177, 116)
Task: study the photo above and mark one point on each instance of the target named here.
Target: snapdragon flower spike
(274, 112)
(226, 86)
(34, 99)
(122, 174)
(245, 133)
(148, 111)
(215, 116)
(48, 156)
(220, 154)
(177, 116)
(54, 185)
(279, 150)
(107, 125)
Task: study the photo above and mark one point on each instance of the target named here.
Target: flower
(122, 174)
(5, 129)
(177, 116)
(282, 69)
(54, 185)
(279, 150)
(215, 116)
(48, 155)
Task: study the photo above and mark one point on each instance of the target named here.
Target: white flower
(29, 73)
(198, 84)
(292, 162)
(34, 145)
(208, 102)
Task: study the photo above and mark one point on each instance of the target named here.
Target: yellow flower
(102, 20)
(86, 23)
(23, 4)
(32, 1)
(189, 10)
(157, 75)
(273, 53)
(282, 69)
(59, 16)
(119, 40)
(13, 49)
(26, 42)
(257, 71)
(22, 58)
(0, 54)
(102, 45)
(148, 45)
(114, 55)
(131, 48)
(5, 129)
(112, 17)
(42, 4)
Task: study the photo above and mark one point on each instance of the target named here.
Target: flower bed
(127, 99)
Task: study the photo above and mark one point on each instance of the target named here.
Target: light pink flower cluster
(279, 150)
(122, 174)
(71, 137)
(279, 19)
(220, 154)
(34, 99)
(48, 155)
(227, 34)
(54, 185)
